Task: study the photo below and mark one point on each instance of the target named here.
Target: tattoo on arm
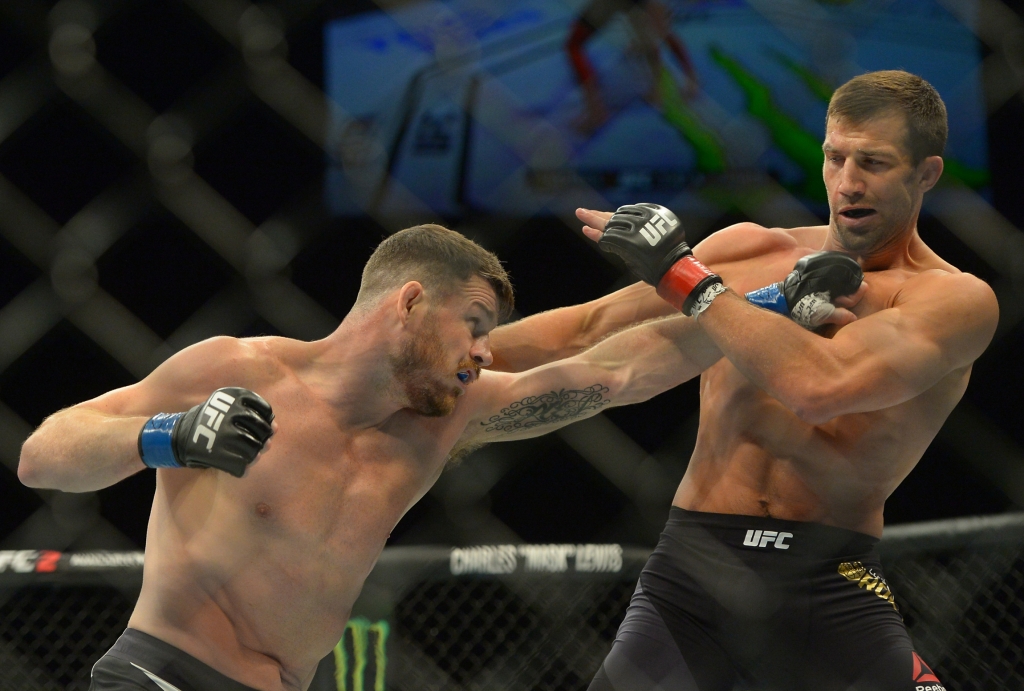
(548, 409)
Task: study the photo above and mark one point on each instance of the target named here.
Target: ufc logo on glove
(234, 424)
(657, 228)
(218, 404)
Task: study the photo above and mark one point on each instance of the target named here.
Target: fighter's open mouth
(463, 377)
(857, 213)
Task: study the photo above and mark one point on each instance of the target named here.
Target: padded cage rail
(520, 616)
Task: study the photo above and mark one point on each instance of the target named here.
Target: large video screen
(524, 107)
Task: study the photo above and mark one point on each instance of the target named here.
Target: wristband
(156, 441)
(770, 298)
(684, 282)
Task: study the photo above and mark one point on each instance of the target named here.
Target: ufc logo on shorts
(655, 229)
(761, 538)
(214, 411)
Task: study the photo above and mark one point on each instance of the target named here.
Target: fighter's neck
(350, 371)
(904, 251)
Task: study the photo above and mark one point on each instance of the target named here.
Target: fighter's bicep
(889, 352)
(908, 348)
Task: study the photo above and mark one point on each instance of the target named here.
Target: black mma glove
(650, 240)
(806, 294)
(227, 432)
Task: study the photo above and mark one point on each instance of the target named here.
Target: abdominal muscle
(755, 457)
(246, 593)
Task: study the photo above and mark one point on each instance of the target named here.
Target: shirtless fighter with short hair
(765, 576)
(253, 560)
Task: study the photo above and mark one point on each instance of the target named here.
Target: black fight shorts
(139, 662)
(738, 602)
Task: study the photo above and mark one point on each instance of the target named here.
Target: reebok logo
(761, 538)
(656, 228)
(214, 411)
(923, 673)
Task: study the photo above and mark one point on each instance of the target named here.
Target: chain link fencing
(521, 616)
(187, 141)
(198, 152)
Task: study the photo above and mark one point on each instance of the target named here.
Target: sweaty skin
(779, 456)
(256, 576)
(822, 428)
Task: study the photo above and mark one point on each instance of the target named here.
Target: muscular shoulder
(749, 240)
(221, 361)
(227, 353)
(962, 291)
(962, 302)
(189, 376)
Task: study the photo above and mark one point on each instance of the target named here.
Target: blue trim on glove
(770, 298)
(155, 441)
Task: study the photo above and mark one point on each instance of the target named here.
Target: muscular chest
(744, 276)
(321, 483)
(728, 390)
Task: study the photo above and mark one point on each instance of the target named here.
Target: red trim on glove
(680, 280)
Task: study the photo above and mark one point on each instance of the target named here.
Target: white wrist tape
(812, 310)
(706, 298)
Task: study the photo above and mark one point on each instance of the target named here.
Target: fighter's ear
(930, 170)
(410, 297)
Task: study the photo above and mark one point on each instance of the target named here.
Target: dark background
(161, 170)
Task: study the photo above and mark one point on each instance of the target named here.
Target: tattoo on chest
(547, 409)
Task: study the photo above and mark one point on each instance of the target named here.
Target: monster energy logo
(360, 656)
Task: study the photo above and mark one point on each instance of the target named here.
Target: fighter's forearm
(654, 357)
(81, 450)
(781, 358)
(629, 367)
(567, 331)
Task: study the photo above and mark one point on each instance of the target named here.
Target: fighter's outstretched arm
(567, 331)
(629, 367)
(94, 444)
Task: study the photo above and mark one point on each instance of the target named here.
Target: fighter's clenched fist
(650, 240)
(806, 295)
(226, 432)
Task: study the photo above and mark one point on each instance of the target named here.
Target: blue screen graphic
(525, 107)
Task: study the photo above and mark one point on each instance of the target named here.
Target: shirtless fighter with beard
(253, 560)
(765, 576)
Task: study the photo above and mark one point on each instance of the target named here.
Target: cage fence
(92, 81)
(419, 624)
(520, 616)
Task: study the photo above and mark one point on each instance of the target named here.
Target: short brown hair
(436, 257)
(895, 91)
